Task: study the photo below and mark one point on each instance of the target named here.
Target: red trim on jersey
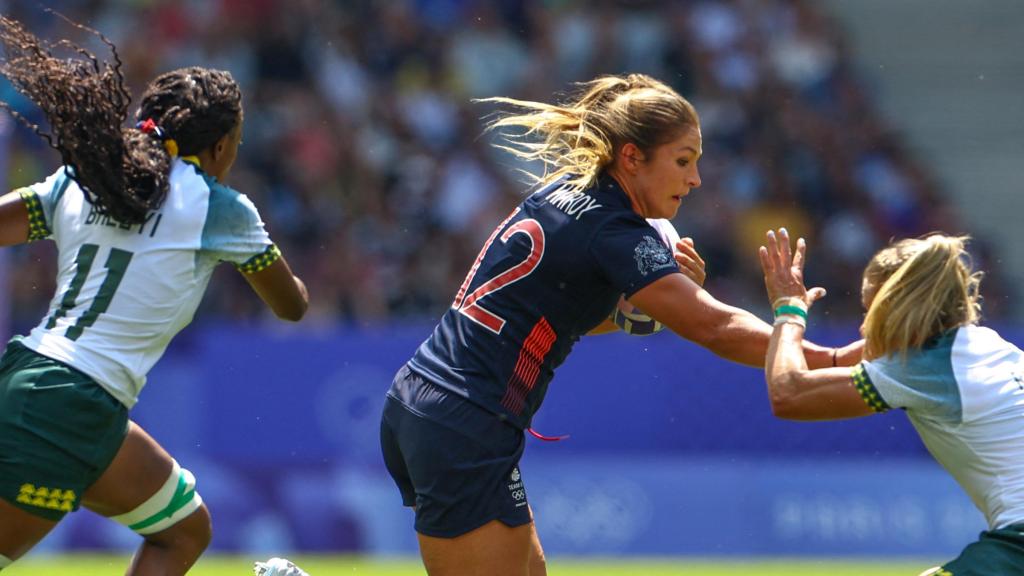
(531, 356)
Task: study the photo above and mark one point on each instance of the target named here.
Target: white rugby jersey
(124, 291)
(964, 393)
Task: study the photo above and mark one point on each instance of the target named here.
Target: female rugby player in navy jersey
(624, 149)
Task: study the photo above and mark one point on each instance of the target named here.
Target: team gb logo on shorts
(652, 255)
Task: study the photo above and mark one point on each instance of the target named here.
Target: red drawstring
(546, 438)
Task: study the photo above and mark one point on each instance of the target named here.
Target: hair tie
(148, 126)
(172, 147)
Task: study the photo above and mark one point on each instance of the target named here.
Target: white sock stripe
(156, 503)
(5, 561)
(189, 507)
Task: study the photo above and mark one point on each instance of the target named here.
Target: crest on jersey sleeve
(652, 255)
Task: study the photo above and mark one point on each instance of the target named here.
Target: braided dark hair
(194, 106)
(86, 103)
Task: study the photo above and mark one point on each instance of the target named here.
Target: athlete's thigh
(58, 431)
(20, 531)
(494, 549)
(139, 470)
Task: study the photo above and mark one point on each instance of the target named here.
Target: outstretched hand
(784, 269)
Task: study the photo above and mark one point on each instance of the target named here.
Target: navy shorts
(455, 462)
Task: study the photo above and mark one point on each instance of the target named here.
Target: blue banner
(305, 397)
(671, 451)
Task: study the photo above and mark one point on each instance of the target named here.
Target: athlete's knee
(191, 536)
(174, 515)
(538, 562)
(537, 557)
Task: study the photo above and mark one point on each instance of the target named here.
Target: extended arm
(798, 393)
(281, 290)
(851, 354)
(730, 332)
(13, 219)
(795, 391)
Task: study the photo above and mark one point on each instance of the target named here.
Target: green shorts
(59, 430)
(996, 553)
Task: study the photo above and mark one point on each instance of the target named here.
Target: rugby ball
(631, 319)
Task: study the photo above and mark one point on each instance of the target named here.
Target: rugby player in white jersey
(140, 217)
(961, 385)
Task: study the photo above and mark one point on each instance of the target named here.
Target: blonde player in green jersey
(140, 217)
(961, 384)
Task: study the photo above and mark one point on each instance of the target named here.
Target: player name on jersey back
(573, 202)
(97, 218)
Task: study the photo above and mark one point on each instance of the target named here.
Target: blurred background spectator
(364, 150)
(365, 153)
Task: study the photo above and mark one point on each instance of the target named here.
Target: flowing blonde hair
(577, 139)
(925, 286)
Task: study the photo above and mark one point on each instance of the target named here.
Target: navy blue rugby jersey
(549, 273)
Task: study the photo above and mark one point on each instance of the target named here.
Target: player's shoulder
(225, 197)
(922, 380)
(980, 354)
(52, 187)
(973, 340)
(226, 206)
(932, 359)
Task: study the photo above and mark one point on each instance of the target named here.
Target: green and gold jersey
(123, 291)
(964, 393)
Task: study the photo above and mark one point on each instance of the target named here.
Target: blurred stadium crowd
(364, 150)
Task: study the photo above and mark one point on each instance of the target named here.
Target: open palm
(784, 269)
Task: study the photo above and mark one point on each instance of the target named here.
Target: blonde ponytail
(578, 139)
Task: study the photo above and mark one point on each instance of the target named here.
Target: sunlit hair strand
(578, 139)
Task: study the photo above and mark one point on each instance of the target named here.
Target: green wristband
(794, 310)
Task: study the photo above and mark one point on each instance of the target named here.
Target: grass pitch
(219, 565)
